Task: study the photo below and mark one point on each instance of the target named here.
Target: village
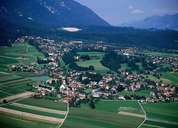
(76, 87)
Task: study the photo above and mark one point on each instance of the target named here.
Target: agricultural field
(39, 78)
(171, 76)
(107, 114)
(34, 112)
(13, 84)
(153, 53)
(19, 53)
(96, 57)
(163, 115)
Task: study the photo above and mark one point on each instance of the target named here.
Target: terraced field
(106, 115)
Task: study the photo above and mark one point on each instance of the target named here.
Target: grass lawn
(105, 115)
(95, 61)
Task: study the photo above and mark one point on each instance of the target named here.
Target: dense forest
(113, 61)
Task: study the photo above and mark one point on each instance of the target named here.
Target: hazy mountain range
(158, 22)
(48, 13)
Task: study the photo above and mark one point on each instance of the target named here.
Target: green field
(95, 61)
(138, 93)
(172, 77)
(11, 122)
(92, 54)
(13, 82)
(9, 106)
(21, 123)
(164, 115)
(13, 86)
(105, 115)
(154, 53)
(39, 78)
(19, 53)
(44, 103)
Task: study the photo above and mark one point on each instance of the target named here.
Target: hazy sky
(117, 12)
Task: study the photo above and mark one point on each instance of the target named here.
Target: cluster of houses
(109, 86)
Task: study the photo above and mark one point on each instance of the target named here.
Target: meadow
(13, 82)
(39, 107)
(105, 115)
(96, 57)
(161, 115)
(154, 53)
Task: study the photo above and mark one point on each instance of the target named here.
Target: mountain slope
(48, 13)
(158, 22)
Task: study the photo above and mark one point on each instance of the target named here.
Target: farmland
(105, 115)
(161, 115)
(172, 77)
(154, 53)
(12, 84)
(96, 57)
(42, 112)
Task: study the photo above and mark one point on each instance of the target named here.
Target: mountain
(48, 13)
(157, 22)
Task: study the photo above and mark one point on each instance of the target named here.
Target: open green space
(15, 86)
(14, 82)
(44, 103)
(105, 115)
(171, 76)
(95, 61)
(92, 54)
(19, 53)
(9, 106)
(39, 78)
(11, 122)
(142, 92)
(154, 53)
(161, 114)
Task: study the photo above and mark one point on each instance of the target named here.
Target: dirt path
(29, 116)
(18, 96)
(40, 109)
(60, 125)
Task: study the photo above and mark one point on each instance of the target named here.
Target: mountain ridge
(156, 22)
(49, 13)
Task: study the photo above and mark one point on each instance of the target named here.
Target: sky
(117, 12)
